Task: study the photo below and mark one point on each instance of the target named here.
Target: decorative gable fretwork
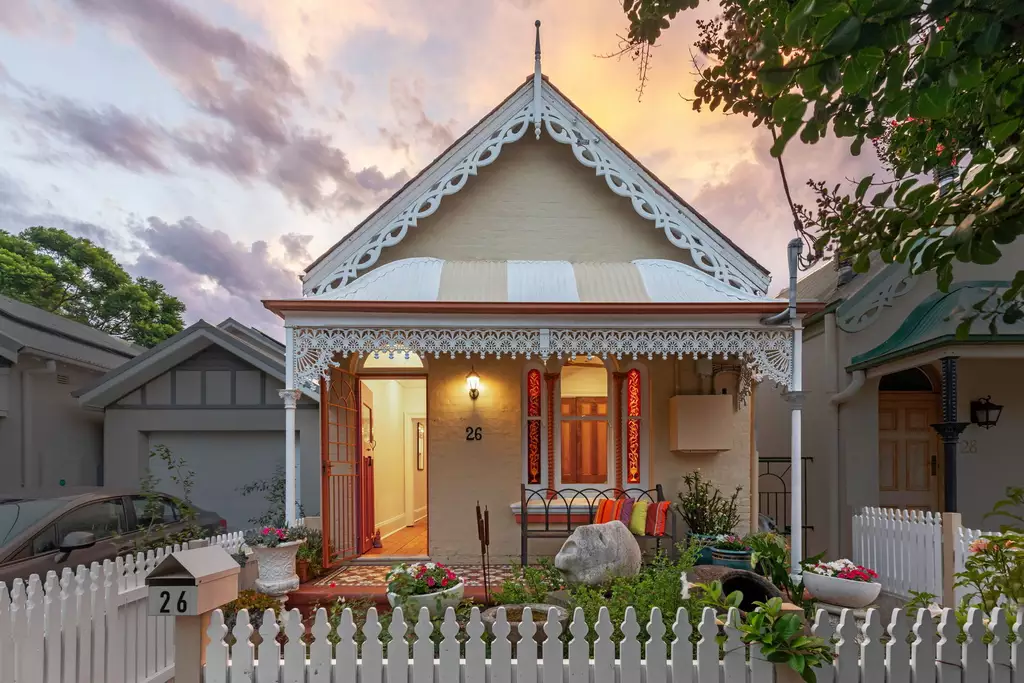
(709, 251)
(767, 353)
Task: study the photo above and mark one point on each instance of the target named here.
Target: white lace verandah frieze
(768, 353)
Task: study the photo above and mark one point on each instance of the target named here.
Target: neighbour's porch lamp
(985, 413)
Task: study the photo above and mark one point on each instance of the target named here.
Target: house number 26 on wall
(474, 433)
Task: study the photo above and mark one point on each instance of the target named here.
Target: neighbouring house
(549, 314)
(874, 373)
(211, 395)
(46, 439)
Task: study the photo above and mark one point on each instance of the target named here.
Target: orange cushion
(602, 511)
(661, 518)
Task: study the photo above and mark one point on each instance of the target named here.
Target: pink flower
(430, 581)
(444, 582)
(979, 545)
(333, 584)
(266, 530)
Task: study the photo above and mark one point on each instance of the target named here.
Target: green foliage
(933, 85)
(713, 595)
(994, 570)
(657, 585)
(771, 559)
(704, 509)
(257, 603)
(72, 277)
(155, 535)
(782, 639)
(919, 600)
(312, 551)
(273, 490)
(529, 584)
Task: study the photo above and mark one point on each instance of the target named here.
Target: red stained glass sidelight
(533, 393)
(533, 451)
(633, 409)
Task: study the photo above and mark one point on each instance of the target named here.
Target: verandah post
(290, 395)
(795, 397)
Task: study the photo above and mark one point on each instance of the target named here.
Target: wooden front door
(908, 451)
(341, 454)
(367, 520)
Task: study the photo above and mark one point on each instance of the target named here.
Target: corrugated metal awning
(640, 281)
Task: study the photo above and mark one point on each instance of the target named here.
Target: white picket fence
(89, 626)
(860, 655)
(905, 548)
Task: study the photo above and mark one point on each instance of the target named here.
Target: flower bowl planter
(842, 592)
(277, 568)
(436, 603)
(736, 559)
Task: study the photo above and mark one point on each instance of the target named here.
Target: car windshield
(16, 516)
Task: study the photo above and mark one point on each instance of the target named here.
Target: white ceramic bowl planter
(436, 603)
(842, 592)
(277, 568)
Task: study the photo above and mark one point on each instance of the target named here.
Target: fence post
(950, 531)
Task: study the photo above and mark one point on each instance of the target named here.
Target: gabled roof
(933, 323)
(31, 329)
(169, 353)
(642, 281)
(539, 104)
(252, 336)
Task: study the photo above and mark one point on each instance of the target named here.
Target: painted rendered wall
(990, 459)
(73, 452)
(536, 202)
(490, 470)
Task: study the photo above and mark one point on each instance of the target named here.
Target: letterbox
(192, 582)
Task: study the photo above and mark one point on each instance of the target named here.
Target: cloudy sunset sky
(220, 145)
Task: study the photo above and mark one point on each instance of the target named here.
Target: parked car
(39, 533)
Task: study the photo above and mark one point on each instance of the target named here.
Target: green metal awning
(933, 324)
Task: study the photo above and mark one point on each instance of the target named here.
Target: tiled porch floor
(374, 575)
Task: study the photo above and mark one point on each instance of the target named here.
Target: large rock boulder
(595, 553)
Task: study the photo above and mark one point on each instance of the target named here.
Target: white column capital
(290, 396)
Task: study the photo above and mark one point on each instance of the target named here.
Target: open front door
(341, 456)
(367, 521)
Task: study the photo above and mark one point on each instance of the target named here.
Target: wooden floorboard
(410, 541)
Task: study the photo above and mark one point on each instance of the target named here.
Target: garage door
(223, 462)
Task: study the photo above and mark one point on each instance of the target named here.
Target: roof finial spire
(537, 79)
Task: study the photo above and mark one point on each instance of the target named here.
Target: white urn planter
(436, 603)
(277, 575)
(842, 592)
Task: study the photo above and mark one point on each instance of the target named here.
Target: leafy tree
(73, 277)
(936, 84)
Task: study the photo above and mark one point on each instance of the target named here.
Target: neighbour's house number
(172, 601)
(474, 433)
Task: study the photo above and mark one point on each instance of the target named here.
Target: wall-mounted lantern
(985, 413)
(473, 383)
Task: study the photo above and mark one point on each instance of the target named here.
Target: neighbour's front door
(341, 456)
(908, 462)
(367, 520)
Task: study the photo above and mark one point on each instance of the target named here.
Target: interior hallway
(410, 541)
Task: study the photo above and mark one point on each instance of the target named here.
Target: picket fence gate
(90, 625)
(861, 654)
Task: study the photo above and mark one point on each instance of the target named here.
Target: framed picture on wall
(421, 446)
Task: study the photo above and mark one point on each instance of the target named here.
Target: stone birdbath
(514, 615)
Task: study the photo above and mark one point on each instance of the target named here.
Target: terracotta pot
(277, 568)
(842, 592)
(436, 602)
(302, 569)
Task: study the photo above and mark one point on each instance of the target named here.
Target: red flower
(430, 581)
(444, 582)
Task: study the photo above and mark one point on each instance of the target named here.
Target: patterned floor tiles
(373, 575)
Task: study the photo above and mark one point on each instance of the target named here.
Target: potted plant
(706, 512)
(731, 551)
(275, 555)
(842, 583)
(424, 584)
(310, 557)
